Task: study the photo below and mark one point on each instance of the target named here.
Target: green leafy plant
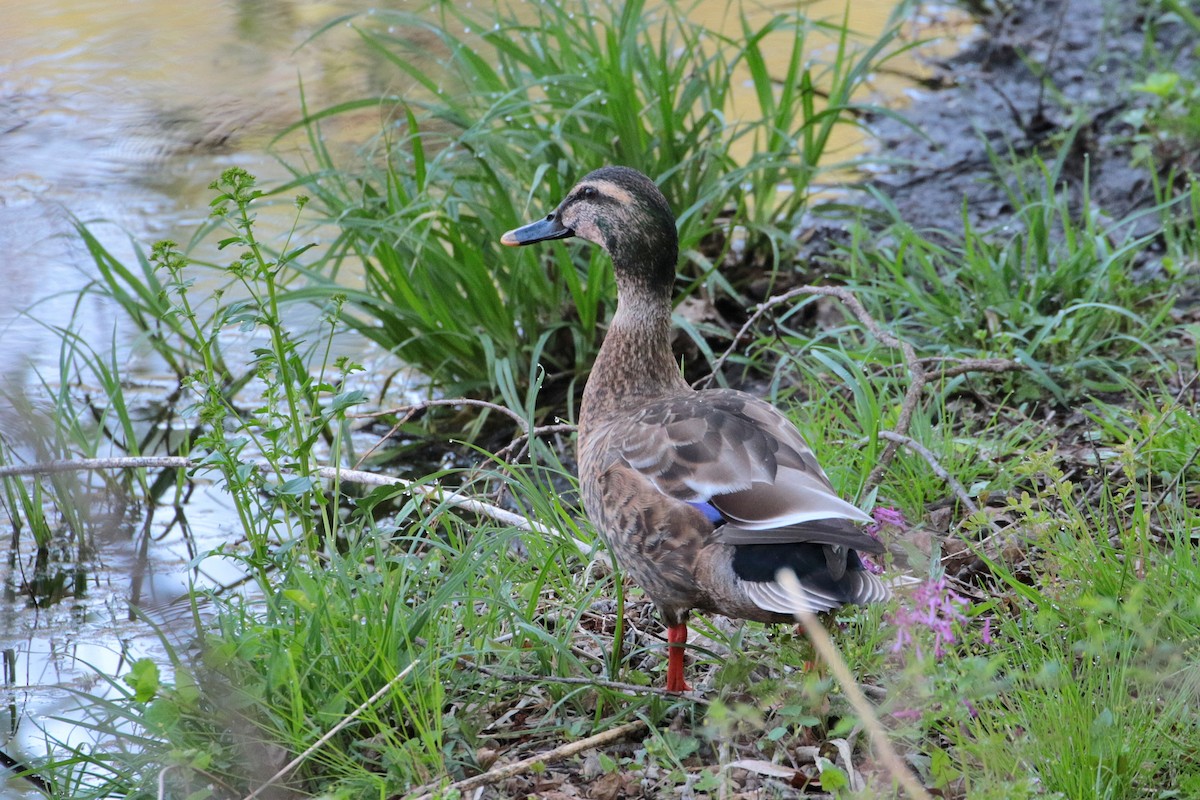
(1169, 126)
(522, 102)
(1056, 290)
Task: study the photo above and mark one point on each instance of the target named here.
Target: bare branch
(524, 438)
(912, 444)
(434, 491)
(413, 408)
(90, 464)
(522, 677)
(959, 366)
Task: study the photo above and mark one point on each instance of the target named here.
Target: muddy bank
(1043, 75)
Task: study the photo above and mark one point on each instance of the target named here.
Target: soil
(1040, 72)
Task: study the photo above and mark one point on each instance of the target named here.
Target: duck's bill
(540, 231)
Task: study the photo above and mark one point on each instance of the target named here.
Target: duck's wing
(742, 463)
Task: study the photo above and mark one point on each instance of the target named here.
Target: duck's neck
(635, 363)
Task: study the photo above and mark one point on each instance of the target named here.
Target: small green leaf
(300, 598)
(832, 776)
(341, 402)
(638, 678)
(1158, 83)
(942, 769)
(161, 717)
(143, 679)
(295, 487)
(187, 691)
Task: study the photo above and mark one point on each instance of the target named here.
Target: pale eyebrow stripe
(612, 190)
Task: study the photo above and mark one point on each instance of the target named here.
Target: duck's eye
(588, 193)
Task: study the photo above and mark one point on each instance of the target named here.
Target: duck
(702, 496)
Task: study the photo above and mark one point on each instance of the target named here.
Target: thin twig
(523, 439)
(497, 774)
(26, 772)
(88, 464)
(829, 654)
(454, 498)
(433, 491)
(960, 366)
(1176, 481)
(408, 411)
(912, 444)
(162, 779)
(413, 408)
(370, 701)
(840, 292)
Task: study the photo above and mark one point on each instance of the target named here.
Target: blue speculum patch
(708, 510)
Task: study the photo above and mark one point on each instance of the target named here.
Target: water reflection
(128, 586)
(125, 113)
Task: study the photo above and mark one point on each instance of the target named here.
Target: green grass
(1101, 659)
(1056, 289)
(1071, 673)
(1090, 594)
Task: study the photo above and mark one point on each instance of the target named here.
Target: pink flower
(884, 517)
(934, 606)
(869, 565)
(986, 635)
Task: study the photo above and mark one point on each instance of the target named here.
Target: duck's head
(621, 210)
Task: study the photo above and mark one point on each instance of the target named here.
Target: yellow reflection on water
(940, 31)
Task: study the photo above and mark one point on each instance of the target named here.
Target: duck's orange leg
(676, 640)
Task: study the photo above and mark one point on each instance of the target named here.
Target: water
(120, 115)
